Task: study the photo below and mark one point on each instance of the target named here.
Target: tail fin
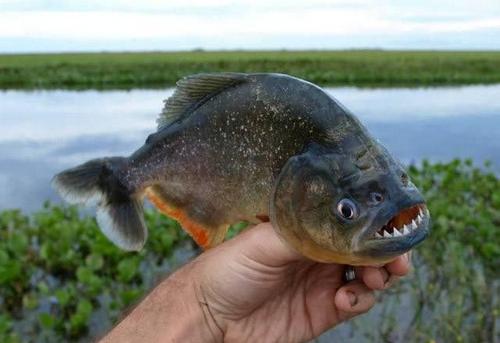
(120, 214)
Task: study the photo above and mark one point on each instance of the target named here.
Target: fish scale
(232, 147)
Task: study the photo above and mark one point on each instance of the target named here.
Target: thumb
(262, 244)
(353, 298)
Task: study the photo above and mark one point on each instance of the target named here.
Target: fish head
(339, 207)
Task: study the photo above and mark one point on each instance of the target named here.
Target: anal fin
(204, 235)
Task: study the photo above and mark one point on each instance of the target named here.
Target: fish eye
(347, 209)
(376, 198)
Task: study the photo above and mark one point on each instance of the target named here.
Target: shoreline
(152, 70)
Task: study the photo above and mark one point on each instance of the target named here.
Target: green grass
(161, 69)
(59, 275)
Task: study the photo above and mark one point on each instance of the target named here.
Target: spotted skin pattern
(254, 147)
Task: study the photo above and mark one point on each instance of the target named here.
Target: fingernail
(353, 299)
(388, 282)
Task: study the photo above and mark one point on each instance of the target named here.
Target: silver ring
(349, 273)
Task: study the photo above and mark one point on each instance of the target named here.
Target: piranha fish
(236, 147)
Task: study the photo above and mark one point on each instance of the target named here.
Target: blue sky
(109, 25)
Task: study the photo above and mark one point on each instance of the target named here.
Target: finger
(374, 278)
(400, 266)
(354, 298)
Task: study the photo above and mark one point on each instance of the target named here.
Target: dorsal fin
(194, 90)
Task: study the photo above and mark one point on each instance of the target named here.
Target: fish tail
(120, 212)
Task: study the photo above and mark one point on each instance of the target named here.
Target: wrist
(172, 312)
(196, 322)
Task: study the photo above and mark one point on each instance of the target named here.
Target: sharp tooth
(413, 225)
(397, 233)
(427, 212)
(419, 219)
(378, 235)
(387, 234)
(420, 212)
(406, 231)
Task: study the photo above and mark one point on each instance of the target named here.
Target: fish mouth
(407, 222)
(399, 234)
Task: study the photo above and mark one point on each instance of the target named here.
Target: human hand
(255, 287)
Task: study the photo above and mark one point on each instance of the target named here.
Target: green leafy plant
(57, 270)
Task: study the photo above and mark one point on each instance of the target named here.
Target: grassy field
(156, 70)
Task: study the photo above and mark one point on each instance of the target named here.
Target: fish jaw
(397, 235)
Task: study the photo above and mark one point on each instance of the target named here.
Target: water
(46, 131)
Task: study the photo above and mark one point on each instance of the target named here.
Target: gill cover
(301, 207)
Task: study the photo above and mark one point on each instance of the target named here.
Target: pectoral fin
(205, 235)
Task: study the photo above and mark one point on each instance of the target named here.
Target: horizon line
(204, 50)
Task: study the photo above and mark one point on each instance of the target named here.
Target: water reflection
(44, 132)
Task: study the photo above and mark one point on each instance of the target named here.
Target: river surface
(43, 132)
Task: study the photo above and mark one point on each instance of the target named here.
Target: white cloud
(125, 25)
(229, 22)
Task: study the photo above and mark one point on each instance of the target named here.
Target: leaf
(18, 243)
(129, 296)
(46, 320)
(87, 277)
(30, 301)
(127, 269)
(78, 321)
(84, 308)
(63, 296)
(84, 274)
(5, 323)
(10, 272)
(94, 261)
